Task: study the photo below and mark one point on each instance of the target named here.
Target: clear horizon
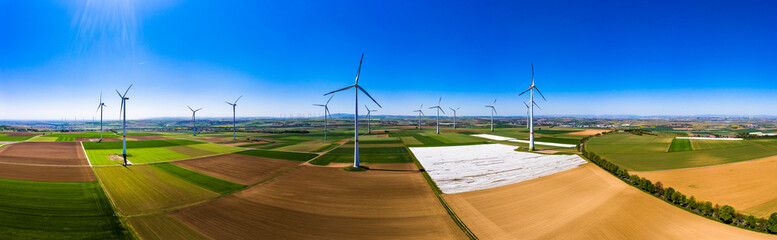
(603, 58)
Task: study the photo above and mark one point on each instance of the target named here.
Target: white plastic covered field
(500, 138)
(458, 169)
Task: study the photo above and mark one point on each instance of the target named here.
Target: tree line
(726, 214)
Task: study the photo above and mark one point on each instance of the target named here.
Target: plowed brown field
(327, 203)
(747, 186)
(238, 168)
(46, 173)
(582, 203)
(44, 153)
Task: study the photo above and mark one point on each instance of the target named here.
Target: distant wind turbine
(493, 110)
(527, 112)
(326, 112)
(100, 108)
(123, 111)
(369, 119)
(438, 114)
(454, 116)
(420, 113)
(234, 123)
(531, 107)
(194, 120)
(356, 111)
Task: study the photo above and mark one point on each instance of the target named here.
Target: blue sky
(591, 57)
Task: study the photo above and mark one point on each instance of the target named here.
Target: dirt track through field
(46, 173)
(582, 203)
(238, 168)
(747, 186)
(44, 153)
(312, 202)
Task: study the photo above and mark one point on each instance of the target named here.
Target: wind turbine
(194, 120)
(356, 88)
(531, 107)
(438, 114)
(420, 113)
(234, 124)
(123, 111)
(454, 116)
(100, 108)
(493, 110)
(527, 112)
(326, 112)
(369, 119)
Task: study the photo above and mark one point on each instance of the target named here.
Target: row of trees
(726, 213)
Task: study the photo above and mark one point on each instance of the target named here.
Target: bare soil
(21, 134)
(747, 186)
(328, 203)
(44, 153)
(46, 173)
(238, 168)
(582, 203)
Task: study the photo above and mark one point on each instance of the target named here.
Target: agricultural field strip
(707, 138)
(86, 155)
(458, 169)
(500, 138)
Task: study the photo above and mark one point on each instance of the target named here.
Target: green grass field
(430, 139)
(71, 137)
(139, 144)
(344, 154)
(44, 139)
(55, 210)
(145, 189)
(199, 179)
(145, 154)
(679, 145)
(649, 153)
(5, 138)
(294, 156)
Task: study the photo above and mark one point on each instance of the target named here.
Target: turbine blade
(330, 99)
(422, 106)
(454, 110)
(359, 70)
(238, 99)
(117, 92)
(125, 92)
(493, 108)
(368, 95)
(532, 74)
(320, 105)
(345, 88)
(443, 111)
(538, 91)
(101, 97)
(538, 106)
(422, 113)
(198, 109)
(190, 108)
(228, 102)
(524, 91)
(527, 105)
(438, 101)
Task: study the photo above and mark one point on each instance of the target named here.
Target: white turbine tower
(123, 111)
(454, 116)
(234, 124)
(194, 121)
(420, 113)
(100, 108)
(438, 114)
(356, 88)
(527, 112)
(369, 119)
(493, 110)
(531, 107)
(326, 112)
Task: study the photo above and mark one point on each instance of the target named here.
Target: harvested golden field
(238, 168)
(46, 173)
(144, 188)
(748, 186)
(163, 226)
(588, 132)
(312, 202)
(582, 203)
